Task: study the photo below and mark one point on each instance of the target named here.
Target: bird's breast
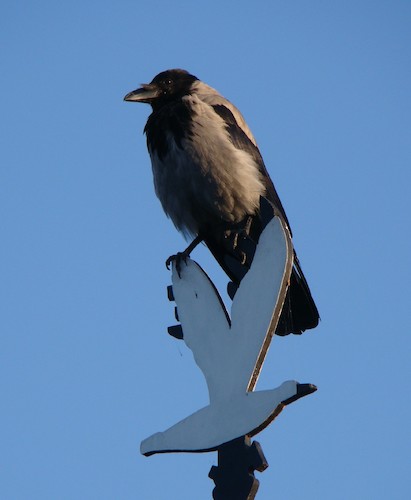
(200, 177)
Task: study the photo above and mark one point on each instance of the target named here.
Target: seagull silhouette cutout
(230, 351)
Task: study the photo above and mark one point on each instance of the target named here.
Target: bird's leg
(247, 227)
(242, 245)
(242, 252)
(182, 256)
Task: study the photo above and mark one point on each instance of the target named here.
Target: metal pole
(234, 476)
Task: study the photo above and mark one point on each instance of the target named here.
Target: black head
(167, 86)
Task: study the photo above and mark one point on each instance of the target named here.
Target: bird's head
(165, 87)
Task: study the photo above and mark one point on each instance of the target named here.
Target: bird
(211, 180)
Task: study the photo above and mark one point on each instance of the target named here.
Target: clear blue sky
(87, 369)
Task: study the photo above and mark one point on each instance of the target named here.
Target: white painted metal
(231, 357)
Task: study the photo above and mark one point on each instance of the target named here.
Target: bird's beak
(146, 93)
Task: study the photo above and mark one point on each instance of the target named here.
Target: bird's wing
(242, 138)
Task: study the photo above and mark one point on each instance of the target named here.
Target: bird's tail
(299, 312)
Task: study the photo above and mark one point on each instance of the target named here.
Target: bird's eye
(167, 84)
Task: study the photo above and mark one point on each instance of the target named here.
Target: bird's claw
(177, 259)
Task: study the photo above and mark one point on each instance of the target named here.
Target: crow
(211, 180)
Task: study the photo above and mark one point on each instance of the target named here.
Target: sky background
(87, 369)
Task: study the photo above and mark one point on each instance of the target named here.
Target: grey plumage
(210, 177)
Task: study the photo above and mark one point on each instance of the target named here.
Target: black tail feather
(299, 311)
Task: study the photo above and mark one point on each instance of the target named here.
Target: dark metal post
(234, 476)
